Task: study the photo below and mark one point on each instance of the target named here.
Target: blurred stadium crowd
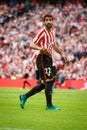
(18, 25)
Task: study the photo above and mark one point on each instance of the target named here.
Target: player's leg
(35, 90)
(24, 83)
(30, 93)
(48, 93)
(26, 75)
(50, 73)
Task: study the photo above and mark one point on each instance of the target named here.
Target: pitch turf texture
(73, 115)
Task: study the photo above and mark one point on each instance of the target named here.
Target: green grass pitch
(73, 115)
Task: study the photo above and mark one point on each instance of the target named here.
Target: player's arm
(35, 47)
(35, 43)
(60, 52)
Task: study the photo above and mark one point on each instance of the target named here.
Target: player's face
(48, 22)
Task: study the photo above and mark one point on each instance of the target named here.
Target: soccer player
(26, 75)
(45, 42)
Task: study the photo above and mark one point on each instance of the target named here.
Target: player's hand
(43, 50)
(65, 58)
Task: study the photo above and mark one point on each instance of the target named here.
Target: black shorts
(26, 75)
(45, 67)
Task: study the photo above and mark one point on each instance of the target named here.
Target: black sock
(48, 92)
(35, 90)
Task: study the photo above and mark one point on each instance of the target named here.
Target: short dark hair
(47, 15)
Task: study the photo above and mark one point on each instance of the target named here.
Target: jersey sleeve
(38, 37)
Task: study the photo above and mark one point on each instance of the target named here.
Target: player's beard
(48, 26)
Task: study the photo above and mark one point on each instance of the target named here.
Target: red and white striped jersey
(45, 39)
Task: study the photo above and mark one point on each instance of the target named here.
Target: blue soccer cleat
(22, 100)
(51, 107)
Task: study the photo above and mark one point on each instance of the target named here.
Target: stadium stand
(19, 24)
